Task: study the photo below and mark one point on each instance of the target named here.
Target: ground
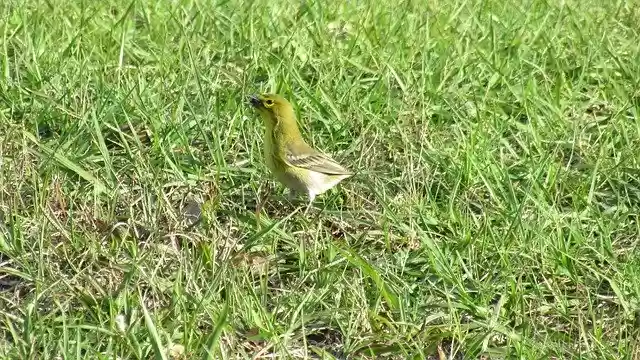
(494, 213)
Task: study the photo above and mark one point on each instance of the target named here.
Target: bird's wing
(303, 156)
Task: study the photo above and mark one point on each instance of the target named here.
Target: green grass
(495, 213)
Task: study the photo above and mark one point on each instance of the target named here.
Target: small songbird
(291, 160)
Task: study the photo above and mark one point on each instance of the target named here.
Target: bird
(291, 160)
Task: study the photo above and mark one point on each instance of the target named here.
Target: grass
(494, 215)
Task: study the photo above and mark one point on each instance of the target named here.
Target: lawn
(494, 213)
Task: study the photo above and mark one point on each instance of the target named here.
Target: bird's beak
(255, 101)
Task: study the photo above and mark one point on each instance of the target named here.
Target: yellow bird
(291, 160)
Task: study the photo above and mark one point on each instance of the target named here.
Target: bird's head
(273, 108)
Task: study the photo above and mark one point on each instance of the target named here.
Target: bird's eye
(269, 102)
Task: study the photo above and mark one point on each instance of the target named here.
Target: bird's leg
(292, 195)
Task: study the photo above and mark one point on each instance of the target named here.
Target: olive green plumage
(291, 160)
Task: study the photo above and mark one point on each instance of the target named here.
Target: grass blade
(217, 331)
(158, 349)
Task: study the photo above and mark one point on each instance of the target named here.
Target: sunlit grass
(494, 213)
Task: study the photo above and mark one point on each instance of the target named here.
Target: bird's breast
(269, 150)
